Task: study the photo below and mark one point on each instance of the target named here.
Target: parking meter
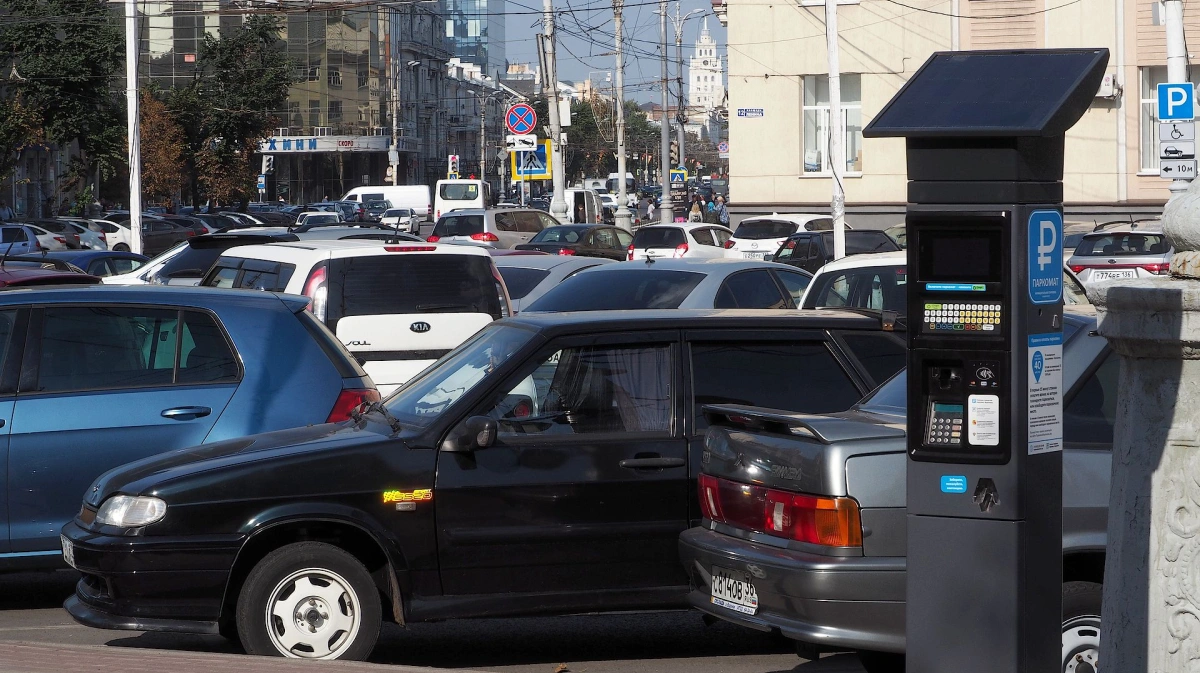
(984, 134)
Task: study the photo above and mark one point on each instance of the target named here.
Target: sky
(585, 34)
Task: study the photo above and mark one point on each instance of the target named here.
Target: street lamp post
(680, 115)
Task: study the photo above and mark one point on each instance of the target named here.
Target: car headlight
(127, 511)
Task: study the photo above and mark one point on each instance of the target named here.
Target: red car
(26, 271)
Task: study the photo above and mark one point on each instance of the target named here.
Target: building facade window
(1151, 77)
(816, 123)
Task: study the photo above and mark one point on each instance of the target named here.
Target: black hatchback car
(547, 465)
(811, 250)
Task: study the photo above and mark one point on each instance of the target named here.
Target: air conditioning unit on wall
(1109, 87)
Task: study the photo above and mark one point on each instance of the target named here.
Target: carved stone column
(1151, 615)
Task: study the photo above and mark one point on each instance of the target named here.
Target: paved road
(663, 642)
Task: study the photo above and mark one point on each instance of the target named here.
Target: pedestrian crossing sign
(532, 165)
(678, 177)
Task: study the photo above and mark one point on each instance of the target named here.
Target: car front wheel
(309, 600)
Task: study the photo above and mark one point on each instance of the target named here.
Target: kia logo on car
(420, 327)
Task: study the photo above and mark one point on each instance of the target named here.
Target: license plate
(1111, 275)
(732, 589)
(68, 551)
(753, 255)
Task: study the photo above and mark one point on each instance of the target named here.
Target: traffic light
(453, 165)
(268, 164)
(674, 152)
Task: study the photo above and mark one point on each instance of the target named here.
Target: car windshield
(458, 225)
(1120, 244)
(658, 237)
(458, 191)
(760, 229)
(423, 399)
(559, 234)
(520, 282)
(378, 205)
(624, 289)
(398, 212)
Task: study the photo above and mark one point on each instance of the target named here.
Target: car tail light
(629, 257)
(60, 239)
(191, 232)
(485, 236)
(566, 251)
(1078, 268)
(101, 236)
(821, 520)
(680, 250)
(501, 292)
(1160, 269)
(349, 400)
(317, 290)
(433, 238)
(729, 244)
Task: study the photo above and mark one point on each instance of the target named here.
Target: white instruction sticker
(983, 420)
(1045, 392)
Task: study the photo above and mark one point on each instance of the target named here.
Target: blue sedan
(102, 262)
(93, 378)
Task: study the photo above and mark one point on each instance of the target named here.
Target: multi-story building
(706, 86)
(475, 31)
(779, 100)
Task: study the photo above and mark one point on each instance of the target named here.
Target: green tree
(66, 54)
(19, 126)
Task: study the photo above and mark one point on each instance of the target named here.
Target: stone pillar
(1151, 614)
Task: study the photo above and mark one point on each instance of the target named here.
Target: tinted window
(397, 212)
(1089, 417)
(792, 376)
(891, 398)
(620, 290)
(528, 222)
(204, 354)
(546, 220)
(750, 289)
(793, 247)
(860, 242)
(882, 355)
(51, 225)
(760, 229)
(658, 237)
(417, 283)
(459, 191)
(624, 238)
(794, 282)
(881, 287)
(604, 238)
(192, 261)
(1118, 244)
(559, 235)
(703, 236)
(458, 225)
(506, 222)
(520, 282)
(590, 390)
(12, 235)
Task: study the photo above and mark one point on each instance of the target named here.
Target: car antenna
(398, 227)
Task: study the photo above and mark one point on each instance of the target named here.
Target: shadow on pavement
(36, 590)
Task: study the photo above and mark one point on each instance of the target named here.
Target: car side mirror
(477, 432)
(768, 258)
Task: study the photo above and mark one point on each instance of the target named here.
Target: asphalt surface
(652, 642)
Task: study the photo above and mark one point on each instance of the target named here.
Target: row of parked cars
(552, 424)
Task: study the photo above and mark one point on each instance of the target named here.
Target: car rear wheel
(121, 247)
(309, 600)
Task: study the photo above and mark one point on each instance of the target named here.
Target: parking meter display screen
(960, 257)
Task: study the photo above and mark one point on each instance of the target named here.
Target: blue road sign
(1176, 101)
(1045, 256)
(535, 165)
(520, 119)
(678, 176)
(262, 182)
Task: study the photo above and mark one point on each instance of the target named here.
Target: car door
(13, 324)
(585, 489)
(100, 386)
(16, 241)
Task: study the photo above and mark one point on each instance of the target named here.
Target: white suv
(397, 308)
(762, 235)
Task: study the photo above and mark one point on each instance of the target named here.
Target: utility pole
(837, 133)
(482, 134)
(133, 123)
(558, 203)
(680, 114)
(1177, 62)
(666, 212)
(623, 218)
(394, 151)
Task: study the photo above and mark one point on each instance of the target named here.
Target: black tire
(882, 662)
(1081, 626)
(355, 598)
(121, 247)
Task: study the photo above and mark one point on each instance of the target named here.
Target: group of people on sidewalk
(713, 212)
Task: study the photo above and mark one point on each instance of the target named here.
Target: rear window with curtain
(458, 225)
(761, 229)
(659, 237)
(407, 283)
(635, 288)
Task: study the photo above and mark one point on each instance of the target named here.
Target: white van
(457, 194)
(415, 197)
(583, 206)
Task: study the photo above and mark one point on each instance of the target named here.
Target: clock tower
(706, 86)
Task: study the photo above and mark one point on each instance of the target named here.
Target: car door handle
(186, 413)
(652, 463)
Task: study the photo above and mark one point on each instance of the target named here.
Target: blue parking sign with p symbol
(1176, 101)
(1045, 256)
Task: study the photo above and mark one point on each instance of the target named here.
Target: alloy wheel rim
(1081, 645)
(312, 614)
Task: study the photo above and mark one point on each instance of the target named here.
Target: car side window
(546, 220)
(703, 236)
(222, 276)
(603, 238)
(99, 267)
(160, 227)
(528, 222)
(763, 374)
(506, 222)
(1089, 417)
(882, 355)
(750, 289)
(204, 352)
(624, 239)
(795, 283)
(721, 236)
(590, 390)
(124, 265)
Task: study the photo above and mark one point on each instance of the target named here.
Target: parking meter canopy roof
(1038, 93)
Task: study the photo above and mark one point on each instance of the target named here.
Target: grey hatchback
(94, 378)
(503, 228)
(1122, 251)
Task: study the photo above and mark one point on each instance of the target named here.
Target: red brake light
(566, 251)
(680, 250)
(412, 248)
(60, 239)
(349, 400)
(1161, 269)
(710, 499)
(433, 239)
(315, 289)
(822, 520)
(485, 236)
(1078, 268)
(629, 257)
(729, 244)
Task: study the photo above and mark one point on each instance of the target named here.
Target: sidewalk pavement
(18, 657)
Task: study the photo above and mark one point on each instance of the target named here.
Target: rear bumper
(854, 603)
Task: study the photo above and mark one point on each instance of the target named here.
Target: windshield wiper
(436, 307)
(392, 421)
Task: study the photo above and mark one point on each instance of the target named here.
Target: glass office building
(475, 29)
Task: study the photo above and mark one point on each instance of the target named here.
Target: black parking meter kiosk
(985, 137)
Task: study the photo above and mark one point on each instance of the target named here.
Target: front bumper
(838, 602)
(149, 584)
